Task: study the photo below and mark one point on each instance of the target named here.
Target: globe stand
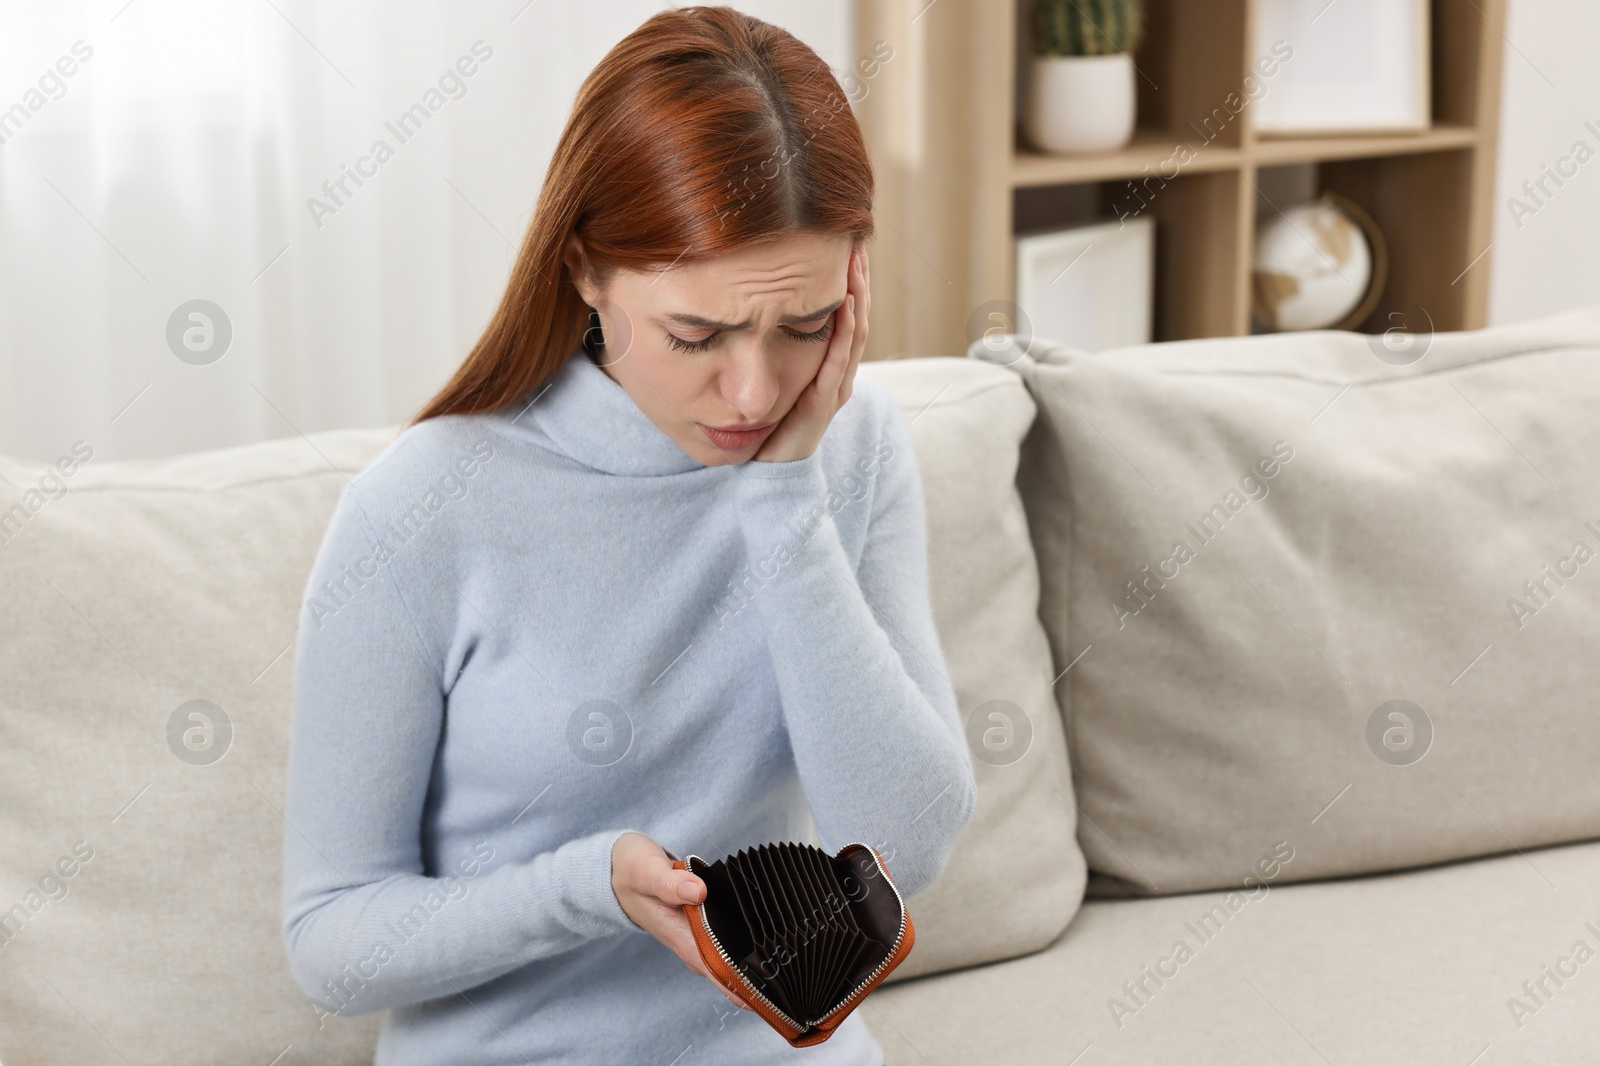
(1379, 249)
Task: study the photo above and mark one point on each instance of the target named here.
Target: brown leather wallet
(799, 935)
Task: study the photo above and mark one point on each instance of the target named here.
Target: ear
(578, 268)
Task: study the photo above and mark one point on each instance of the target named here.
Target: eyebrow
(696, 322)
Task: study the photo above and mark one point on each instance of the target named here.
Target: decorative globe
(1313, 266)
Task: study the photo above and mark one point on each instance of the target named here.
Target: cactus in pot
(1086, 27)
(1081, 81)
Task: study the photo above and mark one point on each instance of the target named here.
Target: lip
(736, 438)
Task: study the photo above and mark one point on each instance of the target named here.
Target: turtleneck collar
(593, 420)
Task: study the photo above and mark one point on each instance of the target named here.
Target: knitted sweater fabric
(529, 631)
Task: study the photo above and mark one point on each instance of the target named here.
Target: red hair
(702, 131)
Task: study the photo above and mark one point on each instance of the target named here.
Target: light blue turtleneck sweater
(531, 631)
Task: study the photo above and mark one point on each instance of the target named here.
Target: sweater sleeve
(870, 711)
(365, 926)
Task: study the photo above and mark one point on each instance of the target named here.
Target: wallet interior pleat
(804, 927)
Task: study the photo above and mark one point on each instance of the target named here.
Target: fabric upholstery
(1017, 874)
(1253, 546)
(1390, 970)
(143, 586)
(149, 585)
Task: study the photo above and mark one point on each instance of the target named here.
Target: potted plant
(1080, 82)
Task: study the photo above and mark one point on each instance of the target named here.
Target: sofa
(1278, 658)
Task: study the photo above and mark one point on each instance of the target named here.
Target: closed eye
(682, 345)
(679, 344)
(815, 335)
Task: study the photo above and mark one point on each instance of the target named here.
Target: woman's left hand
(800, 431)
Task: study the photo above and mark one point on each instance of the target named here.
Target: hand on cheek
(798, 435)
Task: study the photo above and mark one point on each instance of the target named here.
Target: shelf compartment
(1274, 151)
(1418, 201)
(1152, 148)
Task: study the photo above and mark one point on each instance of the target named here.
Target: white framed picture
(1352, 66)
(1089, 287)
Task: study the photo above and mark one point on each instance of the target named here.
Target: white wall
(177, 163)
(1549, 260)
(112, 212)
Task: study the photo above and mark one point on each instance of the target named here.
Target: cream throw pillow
(1016, 877)
(1322, 601)
(138, 588)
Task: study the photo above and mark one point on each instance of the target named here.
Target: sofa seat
(1405, 968)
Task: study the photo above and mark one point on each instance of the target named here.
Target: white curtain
(199, 150)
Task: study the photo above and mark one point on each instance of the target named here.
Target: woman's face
(723, 342)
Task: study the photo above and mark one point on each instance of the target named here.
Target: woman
(648, 577)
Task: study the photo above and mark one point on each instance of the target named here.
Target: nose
(749, 384)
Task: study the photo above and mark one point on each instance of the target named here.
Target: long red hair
(702, 131)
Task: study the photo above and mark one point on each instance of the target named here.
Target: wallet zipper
(800, 1028)
(899, 936)
(744, 981)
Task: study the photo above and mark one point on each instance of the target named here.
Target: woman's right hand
(653, 894)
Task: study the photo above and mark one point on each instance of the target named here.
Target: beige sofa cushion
(146, 586)
(1017, 875)
(1395, 970)
(1369, 532)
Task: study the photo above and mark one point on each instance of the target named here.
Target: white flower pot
(1080, 103)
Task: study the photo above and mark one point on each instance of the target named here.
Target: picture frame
(1088, 287)
(1356, 67)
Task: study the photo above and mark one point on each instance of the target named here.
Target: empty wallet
(797, 934)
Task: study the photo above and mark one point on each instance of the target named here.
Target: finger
(673, 886)
(858, 344)
(866, 287)
(859, 281)
(675, 934)
(831, 372)
(858, 338)
(673, 931)
(720, 987)
(689, 952)
(686, 888)
(863, 298)
(852, 299)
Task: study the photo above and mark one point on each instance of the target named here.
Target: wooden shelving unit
(956, 181)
